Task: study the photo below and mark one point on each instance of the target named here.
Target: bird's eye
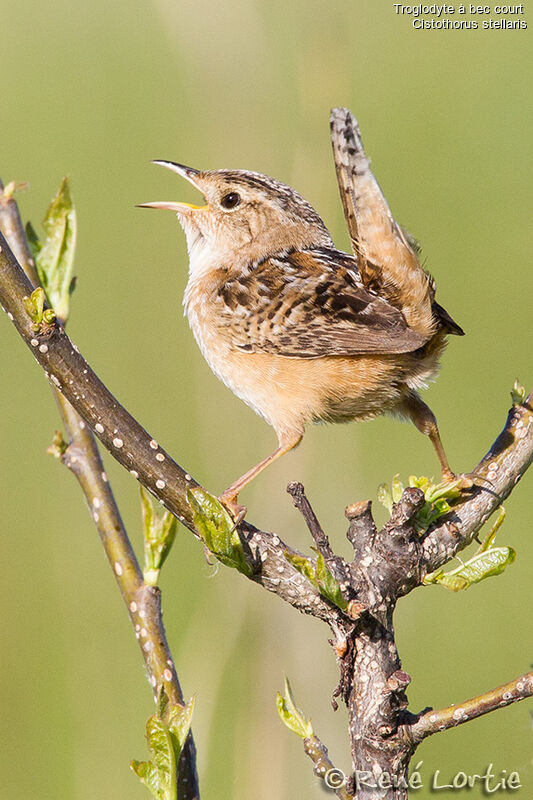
(230, 200)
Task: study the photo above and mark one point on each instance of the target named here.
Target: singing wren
(299, 330)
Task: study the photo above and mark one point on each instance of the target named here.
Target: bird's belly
(291, 392)
(242, 376)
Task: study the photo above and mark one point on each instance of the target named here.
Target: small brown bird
(297, 329)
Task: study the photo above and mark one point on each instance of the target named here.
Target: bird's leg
(424, 419)
(228, 498)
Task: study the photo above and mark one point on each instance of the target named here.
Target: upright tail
(387, 261)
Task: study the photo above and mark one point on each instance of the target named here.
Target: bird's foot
(466, 481)
(236, 511)
(480, 481)
(462, 480)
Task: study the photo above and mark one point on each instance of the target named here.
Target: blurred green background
(97, 90)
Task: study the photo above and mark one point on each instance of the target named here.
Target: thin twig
(336, 564)
(82, 458)
(434, 721)
(333, 777)
(68, 371)
(13, 229)
(297, 492)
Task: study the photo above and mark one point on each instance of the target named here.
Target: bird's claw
(462, 480)
(465, 481)
(236, 511)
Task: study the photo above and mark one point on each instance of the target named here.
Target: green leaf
(54, 258)
(291, 715)
(328, 586)
(436, 496)
(304, 566)
(37, 298)
(483, 565)
(165, 740)
(34, 305)
(159, 774)
(420, 482)
(162, 702)
(34, 242)
(159, 534)
(447, 490)
(319, 576)
(179, 722)
(385, 497)
(161, 749)
(397, 489)
(217, 530)
(518, 393)
(148, 775)
(491, 535)
(441, 506)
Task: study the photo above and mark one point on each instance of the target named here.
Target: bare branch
(495, 477)
(278, 575)
(13, 229)
(296, 491)
(334, 778)
(68, 371)
(143, 602)
(82, 458)
(434, 721)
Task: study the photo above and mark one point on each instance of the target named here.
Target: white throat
(203, 259)
(202, 256)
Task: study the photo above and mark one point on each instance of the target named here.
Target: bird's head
(246, 218)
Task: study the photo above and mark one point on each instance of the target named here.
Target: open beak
(190, 174)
